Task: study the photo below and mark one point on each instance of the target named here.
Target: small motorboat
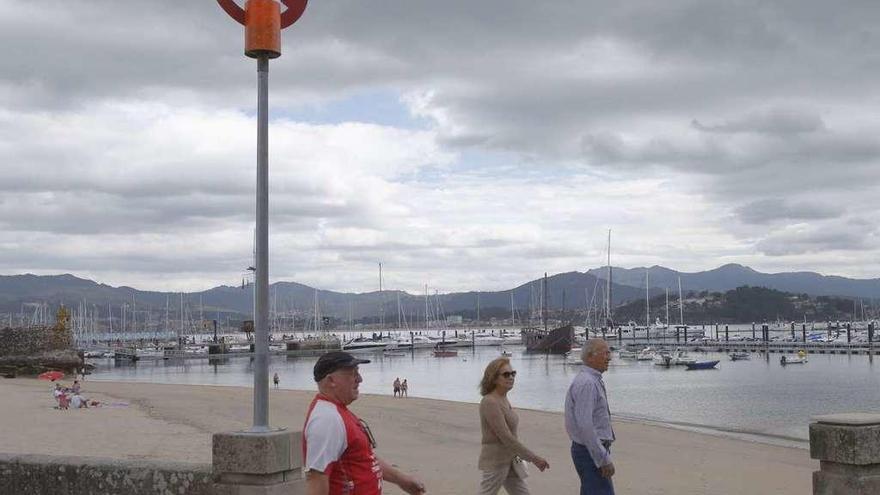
(702, 365)
(627, 354)
(785, 360)
(662, 358)
(680, 357)
(740, 356)
(646, 354)
(445, 353)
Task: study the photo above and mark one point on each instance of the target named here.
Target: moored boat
(646, 354)
(556, 341)
(680, 357)
(785, 360)
(702, 365)
(740, 356)
(445, 353)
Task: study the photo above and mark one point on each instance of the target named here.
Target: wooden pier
(762, 347)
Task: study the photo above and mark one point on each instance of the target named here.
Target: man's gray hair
(590, 347)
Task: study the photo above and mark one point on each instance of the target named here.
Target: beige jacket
(498, 422)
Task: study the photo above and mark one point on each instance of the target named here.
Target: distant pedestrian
(276, 380)
(76, 387)
(404, 388)
(588, 421)
(502, 455)
(396, 386)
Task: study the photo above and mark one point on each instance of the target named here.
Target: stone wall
(34, 340)
(40, 474)
(33, 350)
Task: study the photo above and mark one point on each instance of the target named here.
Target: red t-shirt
(335, 443)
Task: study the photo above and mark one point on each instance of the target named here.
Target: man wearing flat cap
(337, 445)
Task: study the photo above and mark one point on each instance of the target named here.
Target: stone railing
(42, 474)
(243, 464)
(848, 449)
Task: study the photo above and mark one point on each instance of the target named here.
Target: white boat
(680, 357)
(393, 349)
(646, 354)
(365, 344)
(662, 358)
(627, 354)
(419, 342)
(150, 352)
(785, 360)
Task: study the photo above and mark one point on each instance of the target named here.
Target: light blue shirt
(587, 416)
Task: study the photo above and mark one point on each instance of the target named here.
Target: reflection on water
(758, 396)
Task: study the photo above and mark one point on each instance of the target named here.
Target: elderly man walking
(588, 421)
(338, 446)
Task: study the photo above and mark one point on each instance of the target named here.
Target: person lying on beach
(338, 446)
(77, 402)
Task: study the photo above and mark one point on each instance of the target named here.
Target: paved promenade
(438, 440)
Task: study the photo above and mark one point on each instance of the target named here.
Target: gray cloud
(823, 239)
(774, 121)
(769, 210)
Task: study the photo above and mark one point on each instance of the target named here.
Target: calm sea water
(743, 398)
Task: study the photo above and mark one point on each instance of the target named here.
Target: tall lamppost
(263, 22)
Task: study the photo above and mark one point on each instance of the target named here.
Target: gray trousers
(505, 476)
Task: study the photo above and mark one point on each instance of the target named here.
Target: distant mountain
(732, 275)
(740, 305)
(571, 290)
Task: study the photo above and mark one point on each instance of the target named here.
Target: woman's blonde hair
(487, 384)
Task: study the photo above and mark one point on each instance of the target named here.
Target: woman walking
(502, 455)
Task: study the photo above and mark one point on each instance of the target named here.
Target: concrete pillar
(848, 449)
(726, 333)
(848, 333)
(804, 332)
(753, 331)
(258, 463)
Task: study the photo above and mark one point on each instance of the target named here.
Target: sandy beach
(437, 440)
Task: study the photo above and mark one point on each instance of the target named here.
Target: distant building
(453, 320)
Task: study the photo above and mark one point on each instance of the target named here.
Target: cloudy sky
(466, 145)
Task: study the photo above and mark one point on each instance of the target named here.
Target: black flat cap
(334, 360)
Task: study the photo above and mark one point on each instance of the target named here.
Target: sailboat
(556, 341)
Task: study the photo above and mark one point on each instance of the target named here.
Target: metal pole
(261, 288)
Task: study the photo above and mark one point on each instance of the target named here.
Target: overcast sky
(464, 144)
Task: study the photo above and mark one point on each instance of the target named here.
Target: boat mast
(544, 302)
(667, 307)
(381, 300)
(680, 304)
(610, 318)
(478, 308)
(647, 302)
(512, 312)
(426, 306)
